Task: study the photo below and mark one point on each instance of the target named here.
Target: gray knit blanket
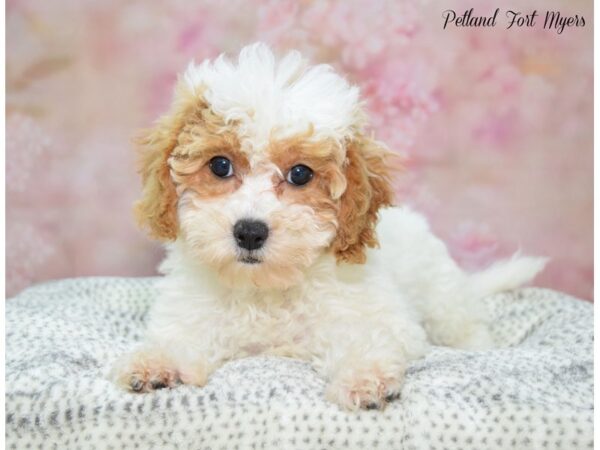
(534, 391)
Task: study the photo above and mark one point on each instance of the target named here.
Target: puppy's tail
(506, 275)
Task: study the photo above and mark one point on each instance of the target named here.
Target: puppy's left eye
(299, 175)
(221, 167)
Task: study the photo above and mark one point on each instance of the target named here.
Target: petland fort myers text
(550, 20)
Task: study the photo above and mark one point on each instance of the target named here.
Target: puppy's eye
(221, 167)
(299, 175)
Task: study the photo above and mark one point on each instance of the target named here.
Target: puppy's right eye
(221, 166)
(299, 175)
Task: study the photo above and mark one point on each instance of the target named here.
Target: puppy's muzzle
(250, 234)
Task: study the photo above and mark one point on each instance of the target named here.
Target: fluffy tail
(506, 275)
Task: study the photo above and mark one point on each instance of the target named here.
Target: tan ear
(368, 189)
(157, 209)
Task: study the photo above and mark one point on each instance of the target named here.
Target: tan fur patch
(183, 140)
(302, 146)
(367, 175)
(322, 192)
(349, 197)
(195, 174)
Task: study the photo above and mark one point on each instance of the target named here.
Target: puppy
(266, 189)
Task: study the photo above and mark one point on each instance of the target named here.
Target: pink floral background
(496, 124)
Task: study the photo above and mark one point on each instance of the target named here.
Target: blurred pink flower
(474, 245)
(26, 143)
(30, 242)
(399, 100)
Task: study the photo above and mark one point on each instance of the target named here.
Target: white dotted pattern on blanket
(535, 391)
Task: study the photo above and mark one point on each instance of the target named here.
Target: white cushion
(534, 391)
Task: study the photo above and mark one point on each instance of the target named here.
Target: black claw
(158, 384)
(392, 397)
(136, 384)
(372, 406)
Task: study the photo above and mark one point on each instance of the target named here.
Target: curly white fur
(269, 97)
(359, 325)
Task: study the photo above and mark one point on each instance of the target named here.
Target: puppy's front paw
(370, 387)
(145, 371)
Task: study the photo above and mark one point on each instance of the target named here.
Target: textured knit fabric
(534, 391)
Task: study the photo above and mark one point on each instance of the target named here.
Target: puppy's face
(259, 211)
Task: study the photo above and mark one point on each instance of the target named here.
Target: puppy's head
(260, 167)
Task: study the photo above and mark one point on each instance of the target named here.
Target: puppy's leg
(457, 319)
(451, 313)
(455, 314)
(145, 370)
(158, 366)
(174, 352)
(365, 360)
(451, 310)
(421, 267)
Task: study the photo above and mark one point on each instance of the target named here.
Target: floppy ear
(368, 189)
(157, 209)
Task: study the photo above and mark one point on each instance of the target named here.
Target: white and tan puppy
(267, 190)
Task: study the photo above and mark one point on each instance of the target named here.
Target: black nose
(250, 234)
